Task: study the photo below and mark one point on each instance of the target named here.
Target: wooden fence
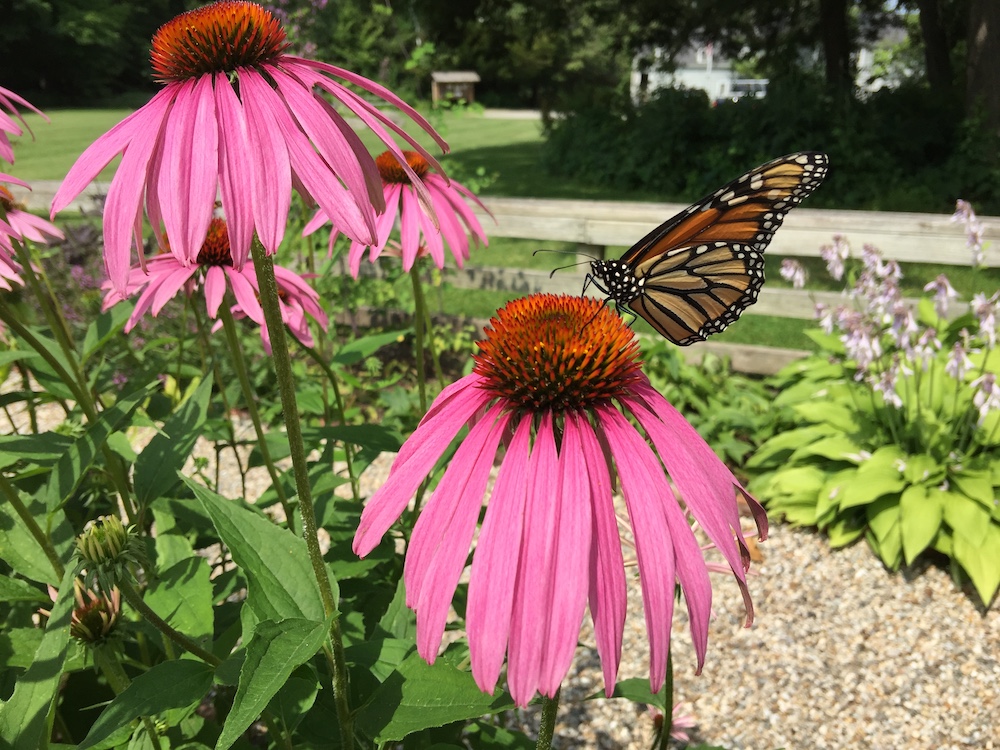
(595, 225)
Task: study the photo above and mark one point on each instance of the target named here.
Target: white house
(697, 67)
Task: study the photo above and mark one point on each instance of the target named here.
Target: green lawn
(509, 151)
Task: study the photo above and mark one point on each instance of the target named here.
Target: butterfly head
(616, 279)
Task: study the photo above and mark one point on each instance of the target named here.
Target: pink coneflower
(164, 276)
(18, 225)
(558, 384)
(238, 116)
(9, 102)
(418, 233)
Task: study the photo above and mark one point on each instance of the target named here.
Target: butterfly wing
(705, 266)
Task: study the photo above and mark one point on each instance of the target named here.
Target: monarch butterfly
(696, 273)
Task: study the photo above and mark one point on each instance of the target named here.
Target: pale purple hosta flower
(943, 294)
(792, 271)
(958, 362)
(973, 230)
(985, 309)
(835, 256)
(904, 326)
(825, 317)
(863, 346)
(987, 397)
(926, 348)
(885, 383)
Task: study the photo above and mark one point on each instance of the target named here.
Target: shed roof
(455, 76)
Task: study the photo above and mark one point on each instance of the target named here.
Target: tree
(983, 76)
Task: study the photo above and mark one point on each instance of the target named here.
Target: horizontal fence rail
(597, 225)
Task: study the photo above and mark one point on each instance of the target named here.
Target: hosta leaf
(981, 562)
(967, 518)
(920, 516)
(834, 447)
(829, 412)
(883, 531)
(975, 484)
(786, 442)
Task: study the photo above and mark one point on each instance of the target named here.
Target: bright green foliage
(902, 449)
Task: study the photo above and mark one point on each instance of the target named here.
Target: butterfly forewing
(694, 274)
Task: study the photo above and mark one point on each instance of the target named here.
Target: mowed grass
(509, 151)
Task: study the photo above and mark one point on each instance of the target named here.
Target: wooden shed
(448, 85)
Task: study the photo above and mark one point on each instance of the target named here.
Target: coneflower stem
(668, 702)
(119, 681)
(547, 726)
(136, 602)
(250, 398)
(268, 289)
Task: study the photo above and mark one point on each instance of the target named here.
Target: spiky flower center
(216, 250)
(392, 171)
(7, 199)
(558, 352)
(218, 38)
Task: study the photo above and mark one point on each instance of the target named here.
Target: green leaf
(182, 594)
(885, 536)
(43, 449)
(170, 684)
(420, 696)
(357, 350)
(844, 530)
(981, 562)
(920, 516)
(786, 442)
(829, 412)
(18, 547)
(399, 620)
(16, 590)
(280, 577)
(835, 447)
(296, 697)
(24, 718)
(157, 466)
(379, 657)
(372, 436)
(967, 518)
(875, 478)
(975, 484)
(70, 468)
(921, 468)
(636, 689)
(274, 652)
(105, 327)
(485, 736)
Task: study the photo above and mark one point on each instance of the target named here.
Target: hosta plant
(896, 427)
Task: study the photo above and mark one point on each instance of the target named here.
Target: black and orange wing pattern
(696, 273)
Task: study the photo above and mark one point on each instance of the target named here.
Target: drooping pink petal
(188, 181)
(416, 459)
(607, 566)
(244, 289)
(100, 153)
(270, 164)
(645, 489)
(235, 173)
(571, 533)
(535, 568)
(215, 290)
(494, 566)
(443, 533)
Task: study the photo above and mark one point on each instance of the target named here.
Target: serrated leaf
(171, 684)
(274, 652)
(183, 595)
(24, 717)
(79, 456)
(295, 698)
(420, 696)
(280, 577)
(920, 517)
(18, 547)
(157, 466)
(399, 620)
